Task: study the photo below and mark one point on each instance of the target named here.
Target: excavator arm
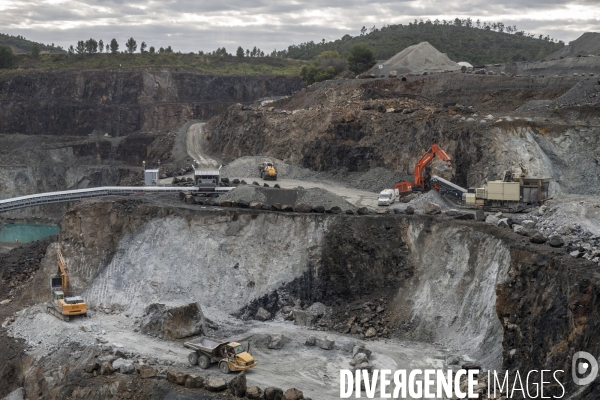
(64, 271)
(419, 179)
(434, 151)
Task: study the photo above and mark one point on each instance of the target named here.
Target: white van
(386, 197)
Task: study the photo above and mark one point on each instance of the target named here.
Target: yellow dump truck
(267, 171)
(231, 356)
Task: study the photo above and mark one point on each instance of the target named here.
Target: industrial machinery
(267, 171)
(419, 178)
(231, 356)
(514, 192)
(61, 306)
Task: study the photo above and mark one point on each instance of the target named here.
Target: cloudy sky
(189, 25)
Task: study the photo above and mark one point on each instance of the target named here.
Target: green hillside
(206, 63)
(21, 45)
(460, 43)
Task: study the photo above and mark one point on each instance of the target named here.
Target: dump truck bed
(204, 344)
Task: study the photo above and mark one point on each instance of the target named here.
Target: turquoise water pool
(26, 232)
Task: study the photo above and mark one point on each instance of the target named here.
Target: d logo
(584, 364)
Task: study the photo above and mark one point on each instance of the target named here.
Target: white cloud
(189, 25)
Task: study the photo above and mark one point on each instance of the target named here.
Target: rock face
(122, 102)
(173, 320)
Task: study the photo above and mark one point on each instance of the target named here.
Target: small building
(151, 177)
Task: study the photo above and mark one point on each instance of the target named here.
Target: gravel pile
(313, 197)
(244, 192)
(430, 197)
(247, 167)
(585, 92)
(418, 58)
(322, 197)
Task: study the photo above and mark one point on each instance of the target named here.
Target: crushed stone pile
(245, 192)
(419, 58)
(312, 197)
(247, 167)
(586, 44)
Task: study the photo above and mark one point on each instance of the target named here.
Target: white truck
(387, 197)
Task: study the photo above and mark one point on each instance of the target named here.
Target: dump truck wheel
(204, 362)
(224, 367)
(193, 358)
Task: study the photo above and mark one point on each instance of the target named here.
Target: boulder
(147, 372)
(363, 211)
(255, 205)
(303, 318)
(542, 210)
(499, 215)
(287, 208)
(326, 343)
(237, 386)
(215, 384)
(277, 186)
(503, 223)
(382, 211)
(262, 315)
(276, 207)
(432, 208)
(538, 238)
(520, 230)
(452, 213)
(106, 368)
(371, 332)
(173, 320)
(91, 367)
(18, 394)
(393, 73)
(479, 215)
(243, 204)
(255, 183)
(225, 203)
(254, 393)
(194, 382)
(265, 207)
(177, 377)
(273, 393)
(123, 366)
(410, 210)
(319, 209)
(528, 224)
(490, 219)
(556, 241)
(408, 197)
(576, 254)
(311, 341)
(275, 341)
(266, 185)
(349, 212)
(335, 210)
(293, 394)
(303, 208)
(243, 182)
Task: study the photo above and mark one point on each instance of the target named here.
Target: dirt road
(194, 141)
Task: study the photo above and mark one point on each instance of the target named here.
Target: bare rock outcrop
(173, 320)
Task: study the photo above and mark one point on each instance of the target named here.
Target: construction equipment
(231, 356)
(267, 171)
(419, 178)
(513, 192)
(61, 306)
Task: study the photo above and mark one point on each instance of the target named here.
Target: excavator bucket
(442, 168)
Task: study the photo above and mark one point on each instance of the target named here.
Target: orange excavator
(403, 188)
(64, 307)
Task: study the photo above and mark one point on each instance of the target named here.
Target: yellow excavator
(64, 307)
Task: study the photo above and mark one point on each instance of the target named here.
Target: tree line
(93, 46)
